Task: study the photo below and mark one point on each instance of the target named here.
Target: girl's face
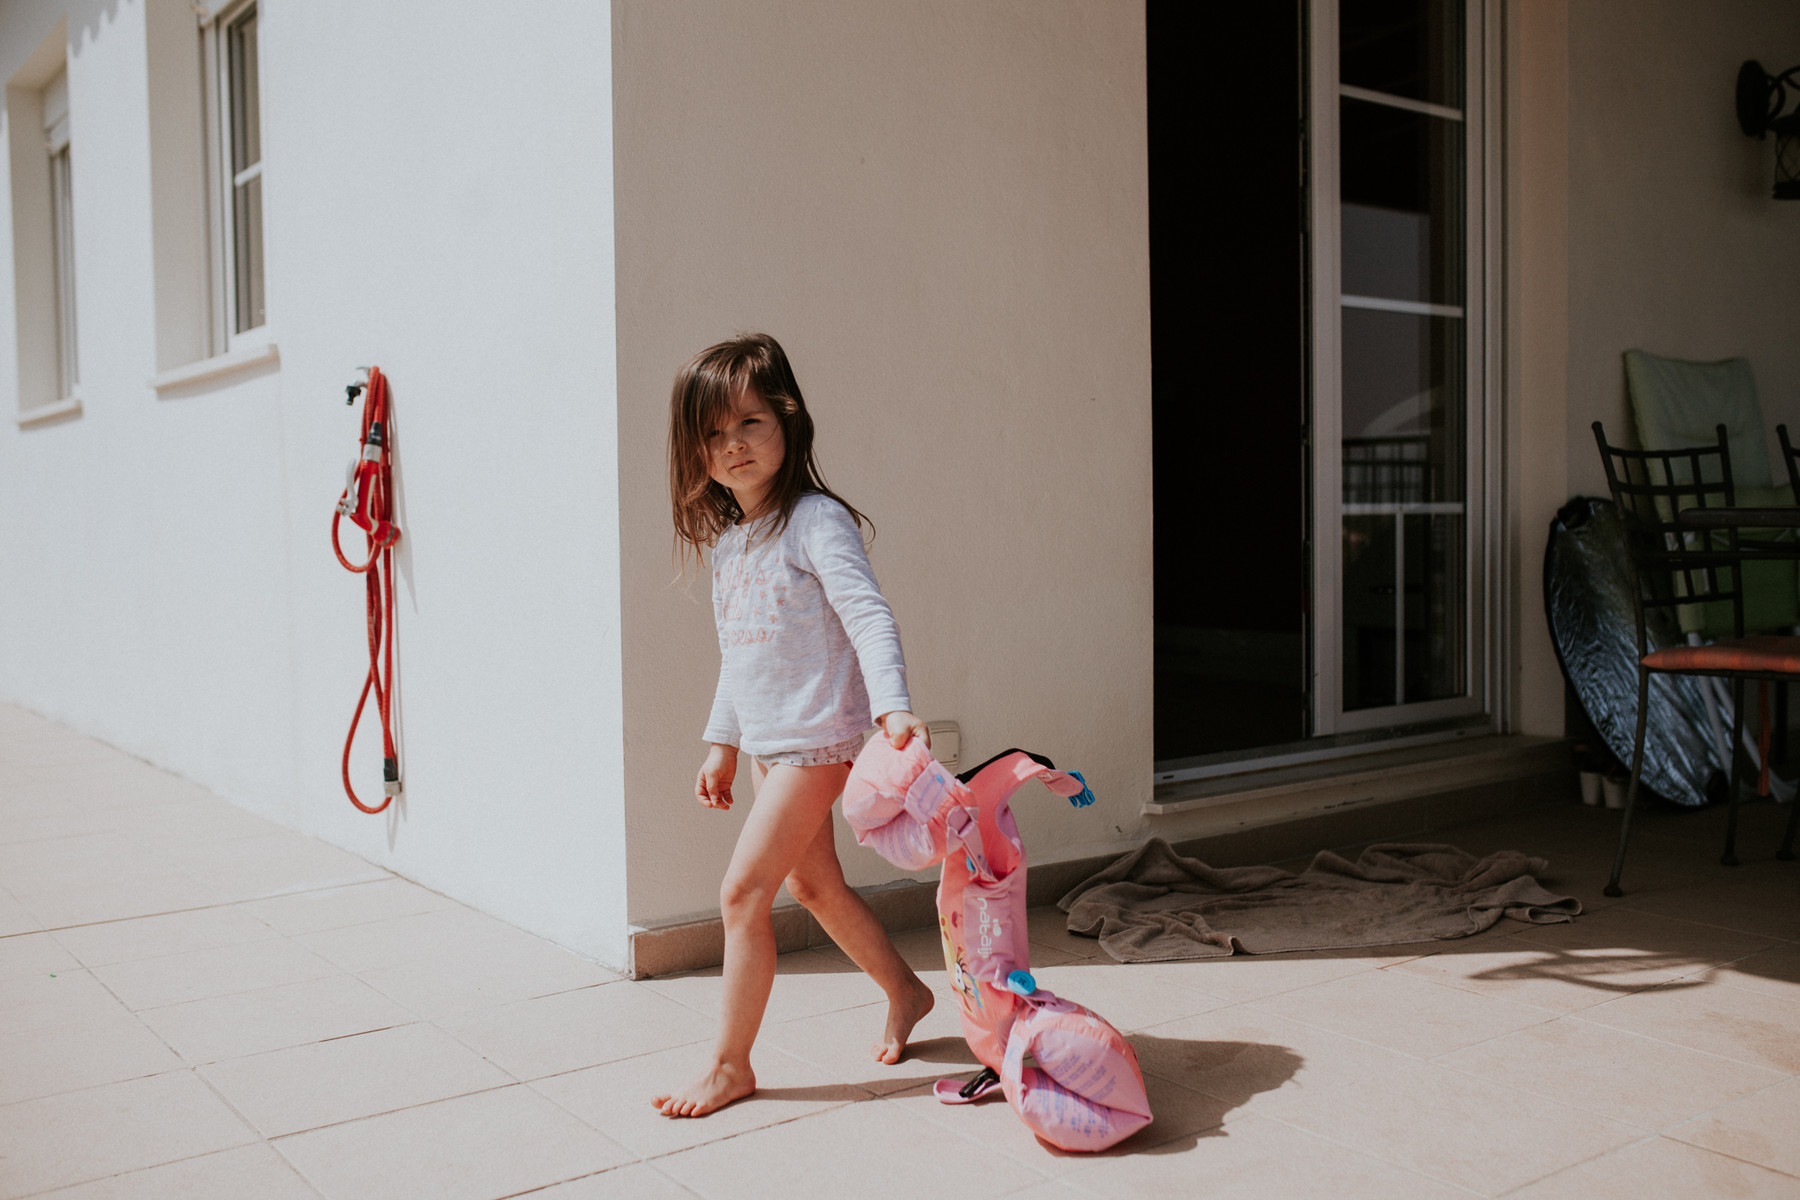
(746, 450)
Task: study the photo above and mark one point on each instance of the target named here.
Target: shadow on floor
(1235, 1072)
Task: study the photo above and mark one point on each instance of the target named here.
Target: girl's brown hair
(701, 402)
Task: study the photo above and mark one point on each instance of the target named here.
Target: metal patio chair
(1682, 528)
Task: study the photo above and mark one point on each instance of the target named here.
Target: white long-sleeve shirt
(809, 654)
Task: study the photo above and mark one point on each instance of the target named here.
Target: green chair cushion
(1678, 403)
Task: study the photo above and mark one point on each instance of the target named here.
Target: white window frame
(62, 239)
(222, 184)
(1481, 507)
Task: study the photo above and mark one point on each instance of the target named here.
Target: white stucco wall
(438, 195)
(940, 209)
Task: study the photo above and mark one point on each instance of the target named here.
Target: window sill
(1376, 777)
(217, 367)
(68, 407)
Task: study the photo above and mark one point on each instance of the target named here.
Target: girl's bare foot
(709, 1092)
(901, 1017)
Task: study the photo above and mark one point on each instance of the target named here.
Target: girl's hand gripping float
(1086, 1091)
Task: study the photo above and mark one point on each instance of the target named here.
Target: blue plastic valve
(1020, 983)
(1085, 796)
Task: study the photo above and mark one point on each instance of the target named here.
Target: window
(37, 127)
(62, 231)
(245, 133)
(234, 112)
(203, 67)
(1397, 332)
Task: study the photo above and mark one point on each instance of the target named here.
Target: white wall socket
(946, 743)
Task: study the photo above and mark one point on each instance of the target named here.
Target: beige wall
(1535, 339)
(1637, 216)
(940, 209)
(1674, 244)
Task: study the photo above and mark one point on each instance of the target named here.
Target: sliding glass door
(1319, 341)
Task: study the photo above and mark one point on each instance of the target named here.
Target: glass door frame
(1481, 424)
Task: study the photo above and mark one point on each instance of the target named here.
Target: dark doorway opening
(1228, 333)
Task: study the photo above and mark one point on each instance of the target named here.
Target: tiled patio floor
(195, 1003)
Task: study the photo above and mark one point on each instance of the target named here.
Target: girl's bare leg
(791, 804)
(817, 882)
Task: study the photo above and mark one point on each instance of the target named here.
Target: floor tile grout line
(537, 1079)
(251, 991)
(651, 1158)
(171, 912)
(1619, 1149)
(1367, 1153)
(1548, 1013)
(180, 1066)
(178, 1056)
(1313, 1025)
(636, 1162)
(1547, 1098)
(715, 1016)
(1724, 1105)
(1582, 1017)
(1434, 1061)
(235, 1111)
(462, 1012)
(1774, 938)
(274, 1138)
(336, 1037)
(181, 1059)
(336, 972)
(1576, 1016)
(1431, 1061)
(1732, 1157)
(122, 962)
(1043, 1173)
(157, 1166)
(1484, 1041)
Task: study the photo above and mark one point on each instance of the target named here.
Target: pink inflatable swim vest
(1086, 1091)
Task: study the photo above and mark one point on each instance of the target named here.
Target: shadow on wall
(91, 19)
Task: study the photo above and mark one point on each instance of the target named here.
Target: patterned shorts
(843, 752)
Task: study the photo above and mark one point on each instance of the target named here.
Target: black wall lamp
(1760, 99)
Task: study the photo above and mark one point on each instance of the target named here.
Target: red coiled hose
(368, 502)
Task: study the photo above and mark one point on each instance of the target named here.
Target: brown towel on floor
(1153, 905)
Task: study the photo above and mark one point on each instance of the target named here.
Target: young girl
(809, 659)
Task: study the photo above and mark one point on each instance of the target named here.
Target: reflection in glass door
(1394, 313)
